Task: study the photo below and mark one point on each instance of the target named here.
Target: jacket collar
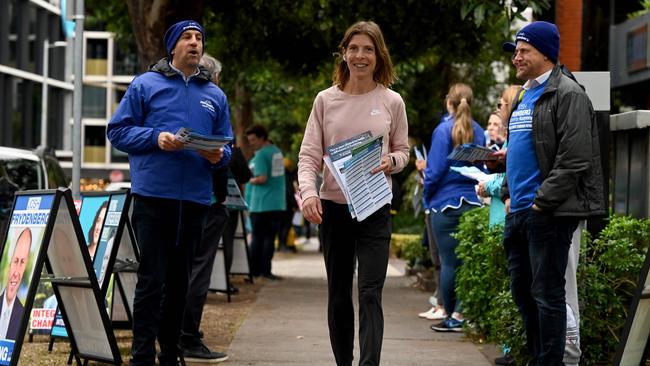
(556, 75)
(554, 79)
(163, 67)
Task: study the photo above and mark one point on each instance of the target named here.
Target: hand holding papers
(472, 153)
(196, 141)
(351, 162)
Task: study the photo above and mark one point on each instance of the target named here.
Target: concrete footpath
(288, 323)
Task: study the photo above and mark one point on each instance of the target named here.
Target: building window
(125, 61)
(97, 57)
(94, 144)
(94, 102)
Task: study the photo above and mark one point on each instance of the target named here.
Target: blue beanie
(174, 33)
(544, 36)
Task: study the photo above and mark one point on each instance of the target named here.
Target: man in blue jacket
(172, 186)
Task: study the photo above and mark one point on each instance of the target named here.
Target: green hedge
(607, 277)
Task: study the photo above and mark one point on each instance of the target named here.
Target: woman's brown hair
(460, 96)
(383, 74)
(508, 96)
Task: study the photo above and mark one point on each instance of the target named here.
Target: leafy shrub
(607, 278)
(483, 273)
(409, 247)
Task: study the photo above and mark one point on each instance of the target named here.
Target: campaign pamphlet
(471, 153)
(196, 141)
(473, 173)
(368, 192)
(350, 162)
(335, 158)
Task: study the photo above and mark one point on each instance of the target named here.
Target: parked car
(22, 170)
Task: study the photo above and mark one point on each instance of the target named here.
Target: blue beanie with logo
(544, 36)
(174, 33)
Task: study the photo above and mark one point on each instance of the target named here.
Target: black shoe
(199, 352)
(233, 290)
(505, 360)
(272, 277)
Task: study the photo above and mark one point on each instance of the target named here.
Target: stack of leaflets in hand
(471, 153)
(350, 162)
(196, 141)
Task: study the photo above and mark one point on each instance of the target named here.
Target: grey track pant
(572, 347)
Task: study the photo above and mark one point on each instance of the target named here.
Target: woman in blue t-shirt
(448, 194)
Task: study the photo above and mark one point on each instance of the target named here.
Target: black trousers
(204, 256)
(266, 226)
(167, 232)
(344, 241)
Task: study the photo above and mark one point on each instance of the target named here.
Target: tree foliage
(277, 54)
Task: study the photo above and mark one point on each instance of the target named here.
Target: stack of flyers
(196, 141)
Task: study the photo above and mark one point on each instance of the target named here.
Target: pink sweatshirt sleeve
(310, 158)
(399, 145)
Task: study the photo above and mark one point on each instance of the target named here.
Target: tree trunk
(243, 117)
(151, 18)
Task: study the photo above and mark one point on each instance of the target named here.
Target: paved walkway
(288, 323)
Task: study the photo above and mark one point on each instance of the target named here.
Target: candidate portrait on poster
(11, 307)
(91, 217)
(20, 250)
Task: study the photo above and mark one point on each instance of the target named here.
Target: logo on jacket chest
(207, 105)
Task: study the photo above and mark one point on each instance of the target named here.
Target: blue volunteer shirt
(522, 168)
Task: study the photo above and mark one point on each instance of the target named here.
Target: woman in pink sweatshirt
(358, 101)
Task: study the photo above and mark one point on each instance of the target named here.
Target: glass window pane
(96, 57)
(126, 59)
(94, 102)
(95, 144)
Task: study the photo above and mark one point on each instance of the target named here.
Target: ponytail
(460, 96)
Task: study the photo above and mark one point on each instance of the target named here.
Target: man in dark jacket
(554, 179)
(171, 185)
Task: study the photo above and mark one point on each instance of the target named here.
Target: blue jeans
(445, 223)
(537, 245)
(167, 231)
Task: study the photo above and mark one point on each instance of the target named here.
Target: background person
(191, 342)
(492, 187)
(266, 197)
(11, 309)
(171, 186)
(358, 101)
(448, 194)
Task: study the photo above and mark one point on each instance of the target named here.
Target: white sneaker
(427, 313)
(437, 315)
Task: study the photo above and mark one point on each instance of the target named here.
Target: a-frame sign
(104, 215)
(125, 270)
(45, 230)
(634, 347)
